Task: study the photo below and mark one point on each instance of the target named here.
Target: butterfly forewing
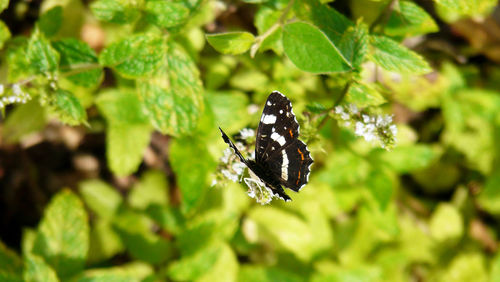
(277, 128)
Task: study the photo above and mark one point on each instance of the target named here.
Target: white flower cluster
(373, 128)
(258, 190)
(18, 96)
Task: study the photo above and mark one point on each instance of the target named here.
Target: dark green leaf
(115, 11)
(393, 56)
(50, 22)
(310, 50)
(165, 14)
(354, 45)
(11, 265)
(136, 56)
(63, 234)
(42, 57)
(172, 97)
(78, 55)
(233, 43)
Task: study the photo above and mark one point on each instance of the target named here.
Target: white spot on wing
(268, 119)
(281, 111)
(278, 138)
(284, 166)
(269, 103)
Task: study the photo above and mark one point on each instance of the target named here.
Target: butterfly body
(281, 159)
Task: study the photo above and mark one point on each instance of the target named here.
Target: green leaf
(68, 108)
(354, 44)
(165, 14)
(17, 60)
(136, 56)
(125, 118)
(11, 265)
(150, 190)
(63, 234)
(51, 21)
(168, 218)
(466, 266)
(249, 273)
(104, 242)
(78, 54)
(446, 223)
(233, 43)
(381, 186)
(224, 105)
(3, 5)
(284, 229)
(495, 269)
(193, 266)
(4, 33)
(136, 233)
(130, 272)
(224, 269)
(41, 56)
(17, 126)
(406, 158)
(36, 269)
(265, 18)
(392, 56)
(172, 97)
(191, 173)
(115, 11)
(331, 22)
(100, 197)
(453, 10)
(311, 50)
(408, 19)
(489, 199)
(364, 95)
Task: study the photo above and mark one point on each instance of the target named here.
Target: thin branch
(337, 102)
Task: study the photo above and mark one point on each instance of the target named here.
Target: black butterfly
(280, 157)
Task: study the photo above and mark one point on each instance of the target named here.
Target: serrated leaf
(136, 56)
(67, 107)
(393, 56)
(16, 125)
(326, 18)
(191, 172)
(172, 97)
(11, 265)
(63, 234)
(233, 43)
(100, 197)
(50, 22)
(17, 60)
(4, 33)
(78, 54)
(38, 270)
(364, 95)
(165, 14)
(41, 56)
(354, 45)
(453, 10)
(130, 272)
(150, 190)
(192, 267)
(311, 50)
(408, 19)
(114, 11)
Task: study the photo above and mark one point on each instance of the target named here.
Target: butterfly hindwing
(277, 128)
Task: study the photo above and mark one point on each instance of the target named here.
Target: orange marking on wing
(298, 178)
(291, 133)
(301, 154)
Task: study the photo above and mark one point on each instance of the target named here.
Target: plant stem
(337, 102)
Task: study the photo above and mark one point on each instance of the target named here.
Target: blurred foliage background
(110, 154)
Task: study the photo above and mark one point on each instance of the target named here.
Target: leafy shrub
(111, 112)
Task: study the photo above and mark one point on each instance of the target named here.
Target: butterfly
(281, 159)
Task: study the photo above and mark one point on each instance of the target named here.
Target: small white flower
(345, 116)
(16, 89)
(1, 105)
(253, 108)
(366, 118)
(353, 109)
(247, 133)
(240, 146)
(339, 110)
(394, 129)
(227, 174)
(226, 155)
(11, 99)
(2, 89)
(359, 128)
(214, 182)
(238, 167)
